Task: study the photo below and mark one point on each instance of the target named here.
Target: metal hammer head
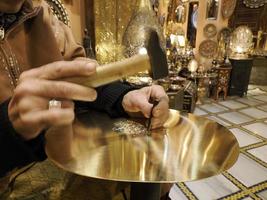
(158, 59)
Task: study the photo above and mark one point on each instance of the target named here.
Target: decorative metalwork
(59, 11)
(180, 13)
(254, 3)
(241, 42)
(210, 30)
(223, 39)
(228, 7)
(208, 48)
(129, 127)
(110, 27)
(140, 79)
(136, 34)
(224, 33)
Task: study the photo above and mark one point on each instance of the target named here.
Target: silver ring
(53, 103)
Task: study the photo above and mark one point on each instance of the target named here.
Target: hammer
(154, 60)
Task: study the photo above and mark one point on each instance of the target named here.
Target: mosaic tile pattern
(218, 120)
(235, 117)
(263, 194)
(249, 101)
(232, 104)
(248, 172)
(244, 138)
(254, 112)
(199, 112)
(258, 128)
(260, 153)
(247, 198)
(214, 187)
(246, 118)
(264, 108)
(261, 97)
(213, 108)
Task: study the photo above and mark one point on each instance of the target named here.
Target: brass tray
(188, 148)
(210, 30)
(228, 8)
(208, 48)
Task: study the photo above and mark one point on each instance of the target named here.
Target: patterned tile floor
(246, 118)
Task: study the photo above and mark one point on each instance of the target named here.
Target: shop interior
(217, 69)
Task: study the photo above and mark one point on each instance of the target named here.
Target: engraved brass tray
(210, 30)
(188, 148)
(208, 48)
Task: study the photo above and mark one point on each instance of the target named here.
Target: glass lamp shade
(193, 66)
(241, 42)
(177, 40)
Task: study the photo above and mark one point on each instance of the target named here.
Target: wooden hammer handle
(114, 71)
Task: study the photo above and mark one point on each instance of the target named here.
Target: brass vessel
(187, 148)
(136, 35)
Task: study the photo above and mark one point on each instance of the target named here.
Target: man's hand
(28, 109)
(139, 101)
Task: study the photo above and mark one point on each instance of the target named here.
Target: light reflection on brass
(188, 148)
(111, 19)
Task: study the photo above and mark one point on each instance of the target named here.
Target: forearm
(109, 99)
(14, 151)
